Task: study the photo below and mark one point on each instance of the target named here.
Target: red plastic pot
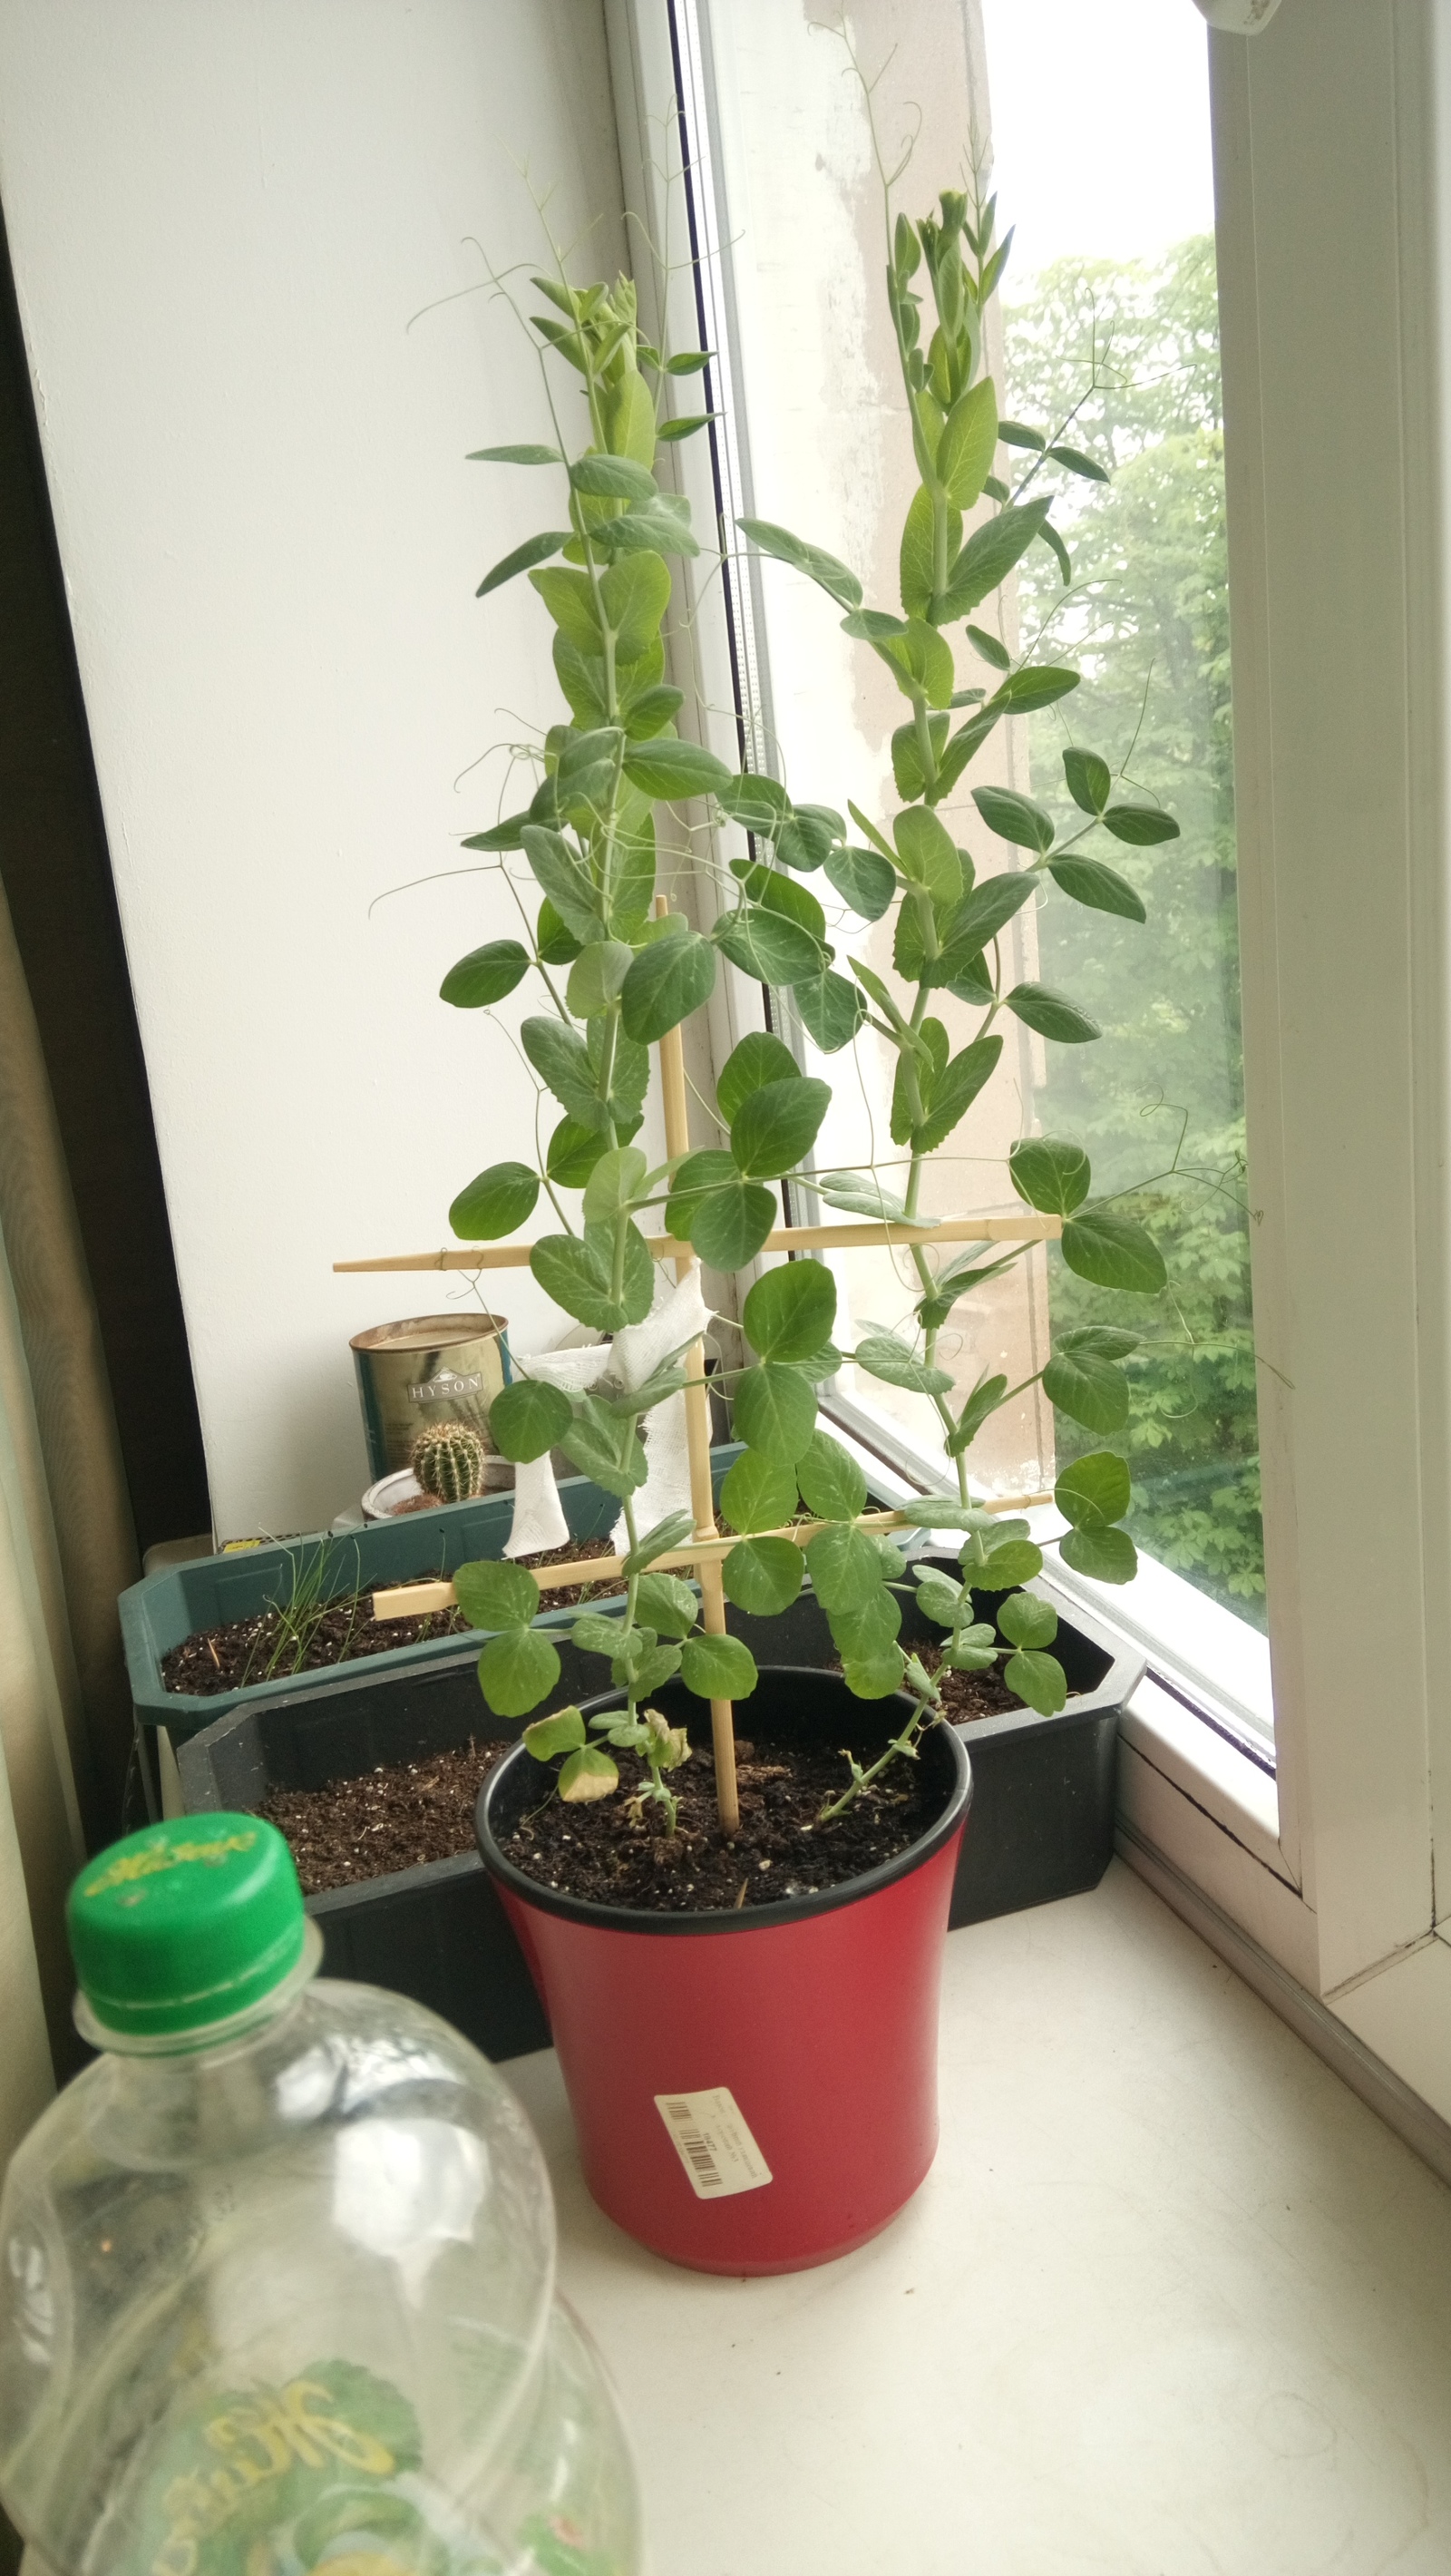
(815, 2019)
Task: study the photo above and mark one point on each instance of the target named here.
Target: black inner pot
(788, 1701)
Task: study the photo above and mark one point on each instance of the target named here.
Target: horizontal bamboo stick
(785, 1238)
(421, 1600)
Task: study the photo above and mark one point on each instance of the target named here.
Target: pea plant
(616, 981)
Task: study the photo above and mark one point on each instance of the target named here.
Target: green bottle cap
(186, 1924)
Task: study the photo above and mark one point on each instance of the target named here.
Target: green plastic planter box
(157, 1613)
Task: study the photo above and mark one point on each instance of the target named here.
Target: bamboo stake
(697, 1433)
(420, 1600)
(784, 1238)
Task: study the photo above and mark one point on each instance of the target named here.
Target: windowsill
(1170, 2297)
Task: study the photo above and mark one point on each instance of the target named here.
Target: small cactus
(449, 1461)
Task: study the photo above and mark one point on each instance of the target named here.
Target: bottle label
(713, 2143)
(323, 2472)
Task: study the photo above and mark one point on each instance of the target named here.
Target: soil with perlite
(391, 1818)
(619, 1853)
(405, 1813)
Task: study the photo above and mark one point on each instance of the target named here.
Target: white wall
(223, 214)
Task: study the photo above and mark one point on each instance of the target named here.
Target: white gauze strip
(679, 1315)
(539, 1521)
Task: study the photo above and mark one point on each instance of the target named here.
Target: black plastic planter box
(157, 1613)
(1043, 1787)
(1041, 1824)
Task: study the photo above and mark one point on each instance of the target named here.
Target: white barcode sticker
(713, 2143)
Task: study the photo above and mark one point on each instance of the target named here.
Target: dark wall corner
(56, 871)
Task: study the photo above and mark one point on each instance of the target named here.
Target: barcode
(692, 2142)
(717, 2152)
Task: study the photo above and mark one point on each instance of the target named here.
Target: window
(1330, 195)
(1108, 333)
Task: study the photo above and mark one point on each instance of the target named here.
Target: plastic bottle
(277, 2271)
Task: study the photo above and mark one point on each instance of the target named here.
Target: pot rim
(719, 1919)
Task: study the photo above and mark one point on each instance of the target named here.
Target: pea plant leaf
(718, 1668)
(535, 550)
(522, 455)
(861, 1194)
(989, 556)
(1095, 1491)
(1105, 1555)
(667, 1605)
(1025, 1620)
(844, 1567)
(673, 769)
(790, 1312)
(826, 570)
(1114, 1252)
(953, 1091)
(674, 1531)
(775, 1410)
(586, 1776)
(830, 1009)
(606, 1448)
(776, 1125)
(864, 881)
(1014, 818)
(578, 1273)
(758, 1059)
(666, 982)
(1051, 1175)
(1142, 826)
(757, 803)
(759, 1493)
(485, 975)
(714, 1207)
(883, 1355)
(562, 875)
(1090, 781)
(528, 1419)
(765, 945)
(763, 1575)
(1087, 1384)
(1009, 1562)
(1099, 887)
(496, 1594)
(500, 1199)
(832, 1483)
(1038, 1679)
(1051, 1014)
(516, 1669)
(984, 1400)
(616, 478)
(550, 1736)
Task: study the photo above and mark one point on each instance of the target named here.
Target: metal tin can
(427, 1369)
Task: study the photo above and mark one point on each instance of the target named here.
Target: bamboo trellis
(425, 1599)
(706, 1548)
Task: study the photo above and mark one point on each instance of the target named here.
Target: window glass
(1099, 127)
(1111, 328)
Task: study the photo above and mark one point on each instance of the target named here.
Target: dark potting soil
(967, 1695)
(618, 1853)
(391, 1818)
(273, 1643)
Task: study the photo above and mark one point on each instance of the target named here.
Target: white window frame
(1333, 234)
